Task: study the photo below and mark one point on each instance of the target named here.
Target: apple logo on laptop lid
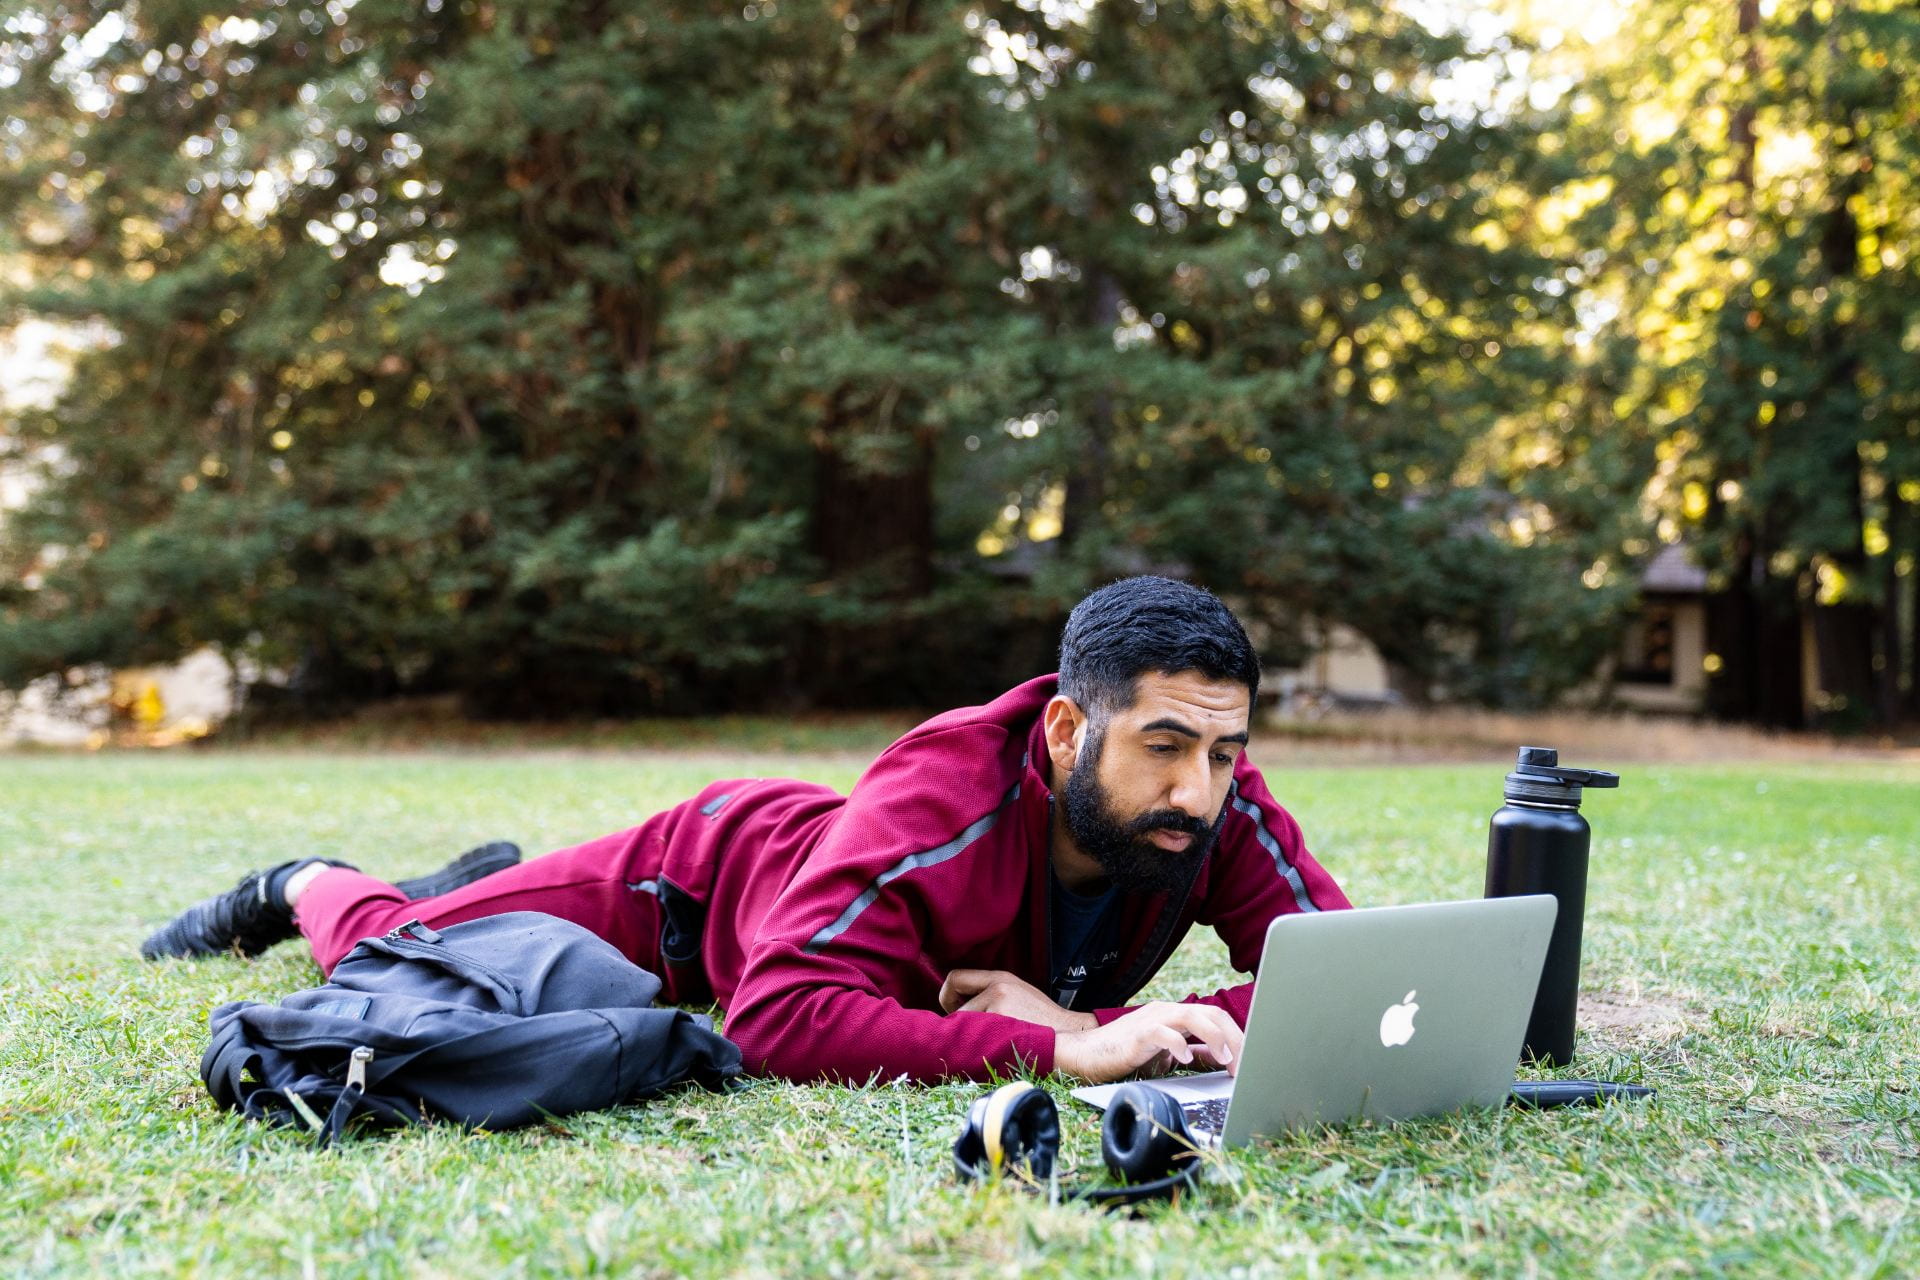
(1396, 1024)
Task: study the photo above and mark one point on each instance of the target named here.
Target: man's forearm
(800, 1030)
(998, 991)
(1067, 1020)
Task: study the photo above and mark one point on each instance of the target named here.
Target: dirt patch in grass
(1619, 1017)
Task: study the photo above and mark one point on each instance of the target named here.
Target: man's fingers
(955, 991)
(1166, 1039)
(1212, 1027)
(964, 985)
(1203, 1056)
(1158, 1065)
(1220, 1037)
(1222, 1045)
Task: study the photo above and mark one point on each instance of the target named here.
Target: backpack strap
(224, 1066)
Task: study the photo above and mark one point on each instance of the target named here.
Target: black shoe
(462, 871)
(247, 919)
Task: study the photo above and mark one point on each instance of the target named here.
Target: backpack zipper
(451, 960)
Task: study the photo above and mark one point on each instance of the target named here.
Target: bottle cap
(1538, 778)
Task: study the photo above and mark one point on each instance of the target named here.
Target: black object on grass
(1539, 1095)
(1537, 843)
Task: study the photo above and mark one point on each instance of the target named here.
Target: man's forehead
(1219, 705)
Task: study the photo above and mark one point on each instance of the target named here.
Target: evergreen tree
(598, 357)
(513, 348)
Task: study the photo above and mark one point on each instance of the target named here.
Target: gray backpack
(495, 1022)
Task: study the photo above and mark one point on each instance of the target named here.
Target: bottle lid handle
(1544, 762)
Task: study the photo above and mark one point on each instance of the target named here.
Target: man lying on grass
(998, 885)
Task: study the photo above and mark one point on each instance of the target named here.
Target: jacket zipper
(1160, 944)
(1159, 937)
(1137, 978)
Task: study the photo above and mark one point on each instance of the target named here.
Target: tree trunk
(1844, 633)
(875, 523)
(873, 534)
(1894, 659)
(1087, 480)
(1754, 628)
(1843, 636)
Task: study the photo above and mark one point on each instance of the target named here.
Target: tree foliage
(1753, 208)
(677, 356)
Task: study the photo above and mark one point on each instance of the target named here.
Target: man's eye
(1163, 748)
(1222, 758)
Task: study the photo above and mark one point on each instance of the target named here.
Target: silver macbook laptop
(1375, 1014)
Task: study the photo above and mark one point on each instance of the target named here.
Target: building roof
(1673, 571)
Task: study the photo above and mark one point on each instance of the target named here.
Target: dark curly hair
(1137, 625)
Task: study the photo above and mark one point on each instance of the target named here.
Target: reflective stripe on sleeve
(912, 862)
(1288, 872)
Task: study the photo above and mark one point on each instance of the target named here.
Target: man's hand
(1154, 1037)
(997, 991)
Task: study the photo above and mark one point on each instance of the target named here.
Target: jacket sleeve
(909, 879)
(1260, 869)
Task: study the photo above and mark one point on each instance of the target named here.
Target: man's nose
(1192, 788)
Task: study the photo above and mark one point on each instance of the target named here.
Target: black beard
(1134, 863)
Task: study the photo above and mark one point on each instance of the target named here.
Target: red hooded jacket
(833, 922)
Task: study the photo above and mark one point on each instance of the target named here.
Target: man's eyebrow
(1188, 731)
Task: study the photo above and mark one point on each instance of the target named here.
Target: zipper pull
(348, 1101)
(413, 929)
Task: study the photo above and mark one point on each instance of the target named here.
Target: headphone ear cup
(1144, 1137)
(1030, 1134)
(1015, 1128)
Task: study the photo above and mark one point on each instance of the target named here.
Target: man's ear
(1066, 729)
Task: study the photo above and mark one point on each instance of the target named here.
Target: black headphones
(1015, 1132)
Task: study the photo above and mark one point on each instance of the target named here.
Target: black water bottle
(1538, 844)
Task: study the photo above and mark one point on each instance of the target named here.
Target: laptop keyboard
(1206, 1117)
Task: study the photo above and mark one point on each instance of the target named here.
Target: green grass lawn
(1749, 936)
